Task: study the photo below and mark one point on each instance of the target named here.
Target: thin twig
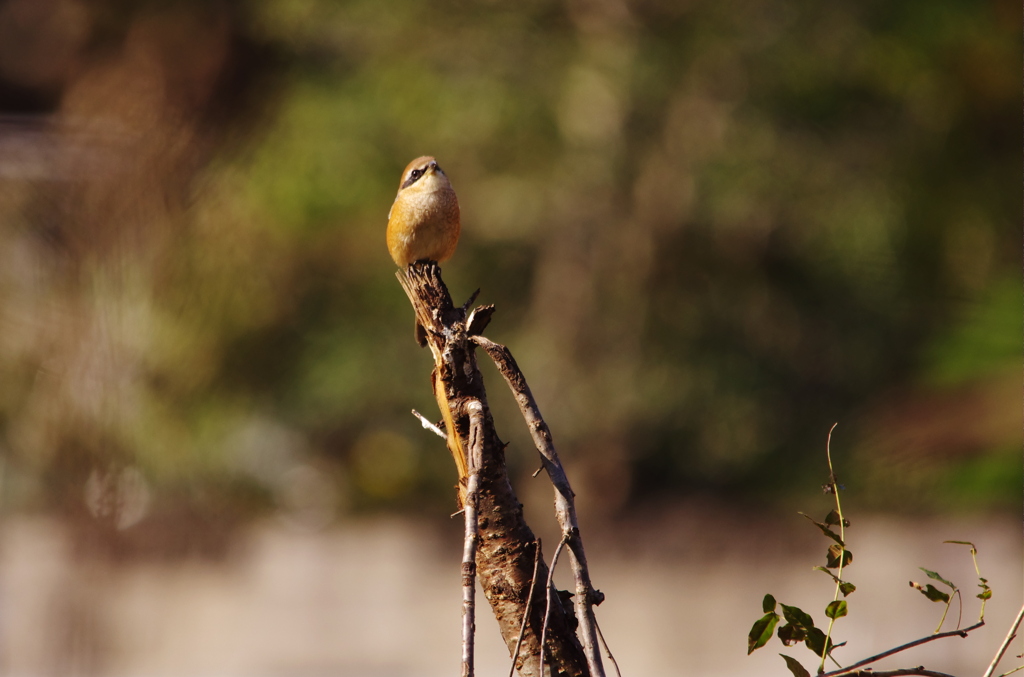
(1012, 671)
(476, 444)
(600, 636)
(526, 612)
(565, 509)
(472, 297)
(425, 422)
(920, 670)
(852, 669)
(1006, 644)
(547, 604)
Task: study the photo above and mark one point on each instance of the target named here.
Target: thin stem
(526, 612)
(903, 647)
(608, 651)
(945, 611)
(919, 670)
(427, 425)
(842, 552)
(547, 603)
(1006, 644)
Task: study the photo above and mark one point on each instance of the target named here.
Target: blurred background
(712, 229)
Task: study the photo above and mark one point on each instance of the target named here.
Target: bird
(424, 222)
(424, 225)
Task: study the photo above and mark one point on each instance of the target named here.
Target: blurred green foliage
(711, 230)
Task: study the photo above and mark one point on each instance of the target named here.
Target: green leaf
(816, 641)
(790, 634)
(936, 577)
(797, 616)
(931, 592)
(833, 556)
(836, 609)
(825, 530)
(833, 519)
(844, 586)
(986, 594)
(795, 667)
(761, 632)
(768, 604)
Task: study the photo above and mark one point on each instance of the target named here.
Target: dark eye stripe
(414, 176)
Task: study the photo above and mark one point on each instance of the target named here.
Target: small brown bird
(423, 224)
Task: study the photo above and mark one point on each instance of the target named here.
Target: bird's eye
(416, 173)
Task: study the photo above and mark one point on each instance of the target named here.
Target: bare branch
(852, 669)
(506, 548)
(427, 425)
(526, 611)
(1006, 644)
(469, 301)
(476, 447)
(565, 509)
(608, 651)
(547, 604)
(898, 673)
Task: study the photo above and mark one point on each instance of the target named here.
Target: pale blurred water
(380, 598)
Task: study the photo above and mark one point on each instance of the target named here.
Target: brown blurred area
(111, 113)
(711, 230)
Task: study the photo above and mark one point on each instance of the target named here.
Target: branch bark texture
(506, 547)
(586, 596)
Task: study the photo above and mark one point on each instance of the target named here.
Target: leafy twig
(986, 592)
(837, 608)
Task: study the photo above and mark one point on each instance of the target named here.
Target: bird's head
(423, 175)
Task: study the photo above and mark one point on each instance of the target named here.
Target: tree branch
(1006, 643)
(506, 547)
(526, 612)
(897, 673)
(565, 508)
(852, 669)
(476, 446)
(548, 589)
